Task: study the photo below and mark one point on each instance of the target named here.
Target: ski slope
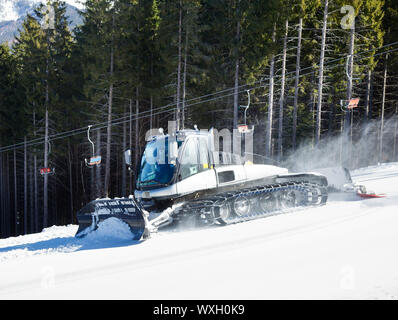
(344, 250)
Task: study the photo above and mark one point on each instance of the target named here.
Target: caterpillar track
(252, 203)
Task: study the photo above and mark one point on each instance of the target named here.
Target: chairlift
(47, 171)
(349, 57)
(244, 128)
(94, 160)
(349, 105)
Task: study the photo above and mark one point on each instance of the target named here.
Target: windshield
(156, 169)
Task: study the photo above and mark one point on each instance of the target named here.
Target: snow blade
(125, 209)
(370, 195)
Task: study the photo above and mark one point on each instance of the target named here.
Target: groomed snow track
(342, 250)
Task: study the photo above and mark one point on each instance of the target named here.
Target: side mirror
(127, 157)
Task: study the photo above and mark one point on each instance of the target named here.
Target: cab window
(189, 161)
(204, 163)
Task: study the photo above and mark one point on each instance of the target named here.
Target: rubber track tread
(311, 195)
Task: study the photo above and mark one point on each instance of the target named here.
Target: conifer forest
(68, 94)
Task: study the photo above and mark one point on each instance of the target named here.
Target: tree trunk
(151, 98)
(31, 196)
(92, 183)
(109, 126)
(70, 182)
(137, 109)
(45, 185)
(350, 75)
(314, 101)
(331, 122)
(7, 196)
(15, 195)
(394, 153)
(151, 112)
(54, 209)
(184, 79)
(236, 84)
(36, 194)
(36, 198)
(320, 82)
(268, 136)
(371, 97)
(82, 181)
(282, 96)
(2, 219)
(25, 188)
(178, 110)
(296, 84)
(311, 104)
(382, 111)
(394, 150)
(124, 145)
(108, 144)
(98, 178)
(367, 102)
(349, 114)
(131, 146)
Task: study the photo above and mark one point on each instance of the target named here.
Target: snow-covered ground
(344, 250)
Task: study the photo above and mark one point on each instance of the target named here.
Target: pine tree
(98, 43)
(42, 51)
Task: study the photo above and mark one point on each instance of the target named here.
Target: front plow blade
(125, 209)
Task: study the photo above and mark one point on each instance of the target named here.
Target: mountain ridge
(13, 13)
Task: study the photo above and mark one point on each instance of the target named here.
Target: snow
(77, 3)
(344, 250)
(12, 10)
(7, 11)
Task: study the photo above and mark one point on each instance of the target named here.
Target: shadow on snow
(70, 244)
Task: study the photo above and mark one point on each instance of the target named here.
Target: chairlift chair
(94, 160)
(244, 128)
(47, 171)
(349, 105)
